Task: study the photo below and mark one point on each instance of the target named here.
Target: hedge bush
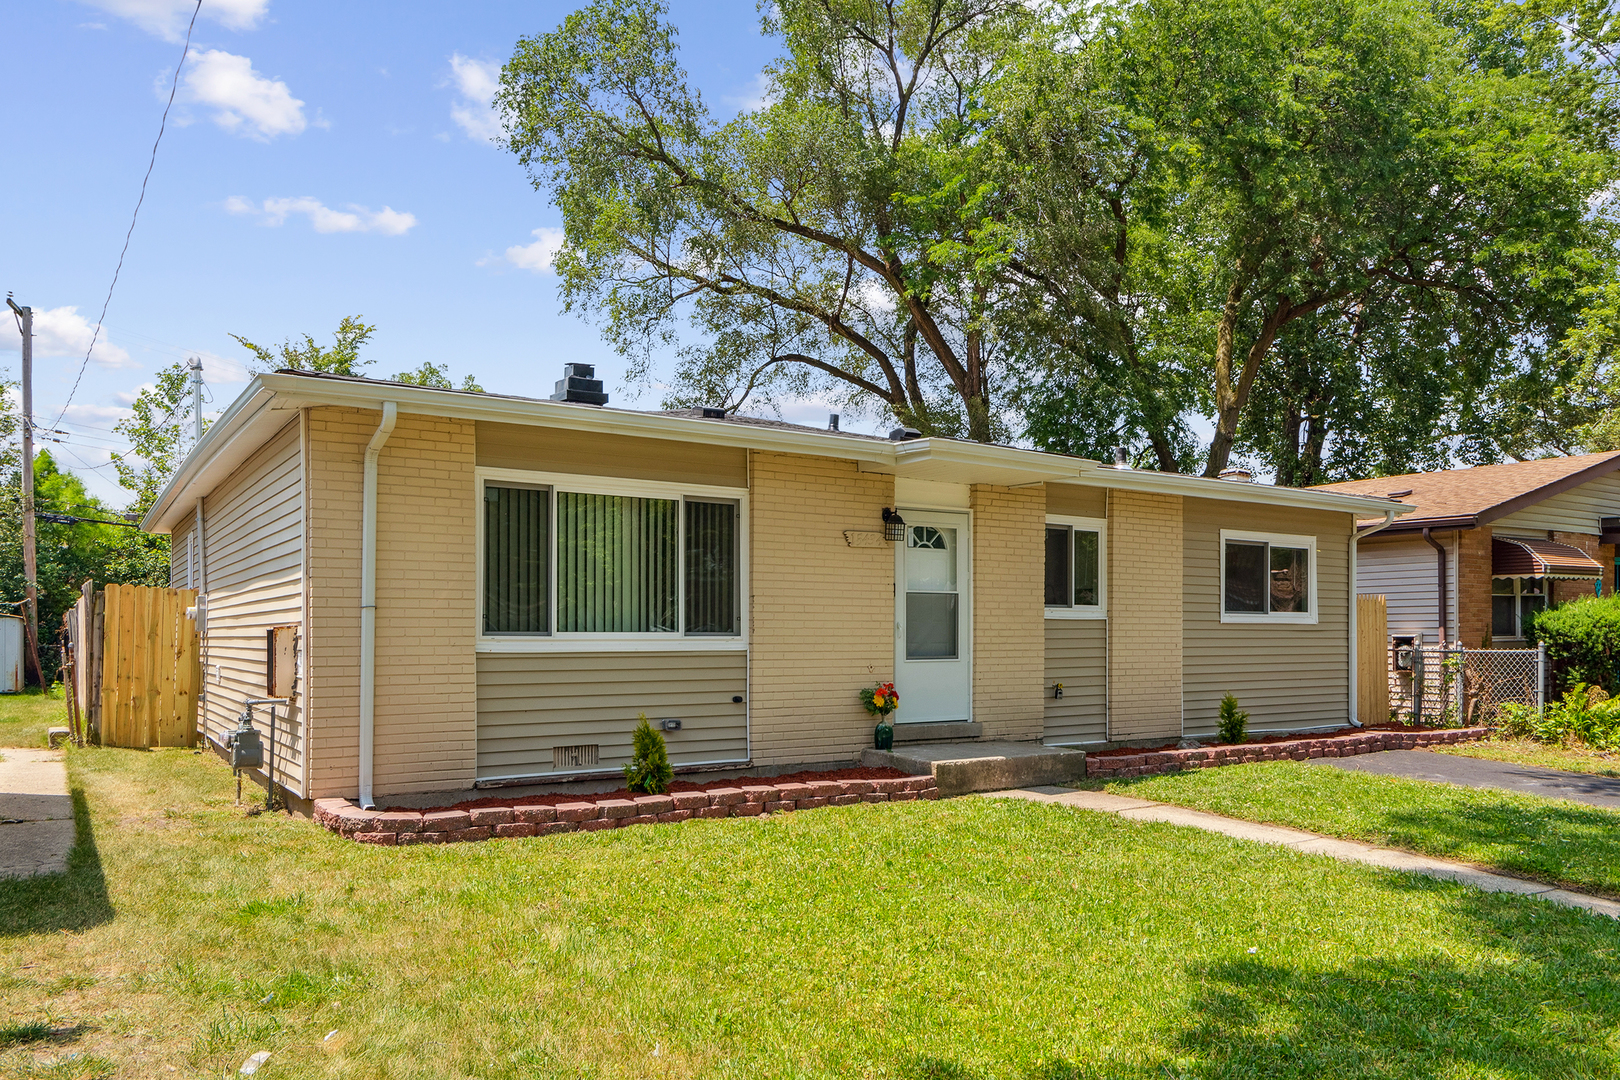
(1583, 642)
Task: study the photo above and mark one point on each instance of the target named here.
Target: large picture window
(1075, 568)
(1268, 578)
(561, 562)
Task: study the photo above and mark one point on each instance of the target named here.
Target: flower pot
(883, 735)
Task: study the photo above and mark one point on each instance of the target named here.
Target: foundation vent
(573, 757)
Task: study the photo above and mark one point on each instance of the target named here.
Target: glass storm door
(933, 628)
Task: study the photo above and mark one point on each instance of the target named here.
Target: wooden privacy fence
(1372, 659)
(136, 665)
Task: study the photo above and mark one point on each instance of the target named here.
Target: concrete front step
(959, 768)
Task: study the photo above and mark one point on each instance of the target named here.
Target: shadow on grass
(75, 900)
(1534, 996)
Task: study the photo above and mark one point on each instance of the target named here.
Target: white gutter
(368, 599)
(1355, 675)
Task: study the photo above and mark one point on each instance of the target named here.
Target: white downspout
(368, 599)
(1355, 537)
(201, 575)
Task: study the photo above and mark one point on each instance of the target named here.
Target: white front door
(933, 628)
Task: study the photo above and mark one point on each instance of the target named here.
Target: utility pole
(30, 563)
(195, 364)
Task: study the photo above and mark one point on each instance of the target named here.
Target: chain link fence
(1442, 685)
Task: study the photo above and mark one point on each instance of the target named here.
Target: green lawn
(1539, 755)
(1552, 840)
(969, 938)
(24, 717)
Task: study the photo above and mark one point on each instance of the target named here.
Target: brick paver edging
(1164, 761)
(589, 813)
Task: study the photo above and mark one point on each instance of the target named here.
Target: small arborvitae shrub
(1234, 721)
(648, 771)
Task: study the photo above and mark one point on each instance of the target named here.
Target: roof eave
(1203, 487)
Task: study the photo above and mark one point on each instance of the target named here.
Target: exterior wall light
(894, 526)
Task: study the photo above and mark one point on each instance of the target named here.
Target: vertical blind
(516, 547)
(616, 564)
(711, 568)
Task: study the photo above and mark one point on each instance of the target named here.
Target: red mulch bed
(1339, 733)
(677, 785)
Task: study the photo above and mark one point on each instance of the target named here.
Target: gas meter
(245, 745)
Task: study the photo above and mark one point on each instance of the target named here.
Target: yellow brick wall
(821, 612)
(1009, 627)
(426, 704)
(1145, 541)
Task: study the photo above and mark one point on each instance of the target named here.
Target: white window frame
(1518, 601)
(1084, 524)
(676, 641)
(1268, 618)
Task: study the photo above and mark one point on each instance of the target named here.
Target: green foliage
(158, 431)
(649, 770)
(1583, 641)
(1585, 715)
(437, 376)
(343, 358)
(1234, 722)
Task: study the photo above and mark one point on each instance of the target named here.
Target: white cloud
(95, 416)
(874, 295)
(64, 332)
(476, 82)
(168, 18)
(244, 102)
(537, 256)
(388, 221)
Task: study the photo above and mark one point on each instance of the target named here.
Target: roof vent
(1399, 494)
(903, 434)
(832, 421)
(1122, 460)
(579, 384)
(1238, 476)
(712, 412)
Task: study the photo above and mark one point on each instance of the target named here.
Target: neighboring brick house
(543, 571)
(1484, 546)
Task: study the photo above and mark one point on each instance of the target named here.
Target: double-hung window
(1076, 568)
(561, 560)
(1267, 578)
(1514, 602)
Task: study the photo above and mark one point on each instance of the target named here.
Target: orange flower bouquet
(880, 700)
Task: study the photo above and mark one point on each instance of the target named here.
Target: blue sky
(321, 160)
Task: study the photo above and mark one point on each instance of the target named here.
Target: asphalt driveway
(1585, 788)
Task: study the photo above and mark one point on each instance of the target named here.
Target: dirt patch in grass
(884, 773)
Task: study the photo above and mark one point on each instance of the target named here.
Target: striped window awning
(1513, 556)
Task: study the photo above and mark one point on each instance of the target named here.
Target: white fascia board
(556, 414)
(230, 440)
(1202, 487)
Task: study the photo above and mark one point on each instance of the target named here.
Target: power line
(162, 125)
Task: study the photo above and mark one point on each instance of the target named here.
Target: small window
(1267, 578)
(1074, 568)
(517, 549)
(1514, 602)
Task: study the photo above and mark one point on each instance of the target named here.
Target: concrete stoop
(959, 768)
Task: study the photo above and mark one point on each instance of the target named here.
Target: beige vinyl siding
(1076, 652)
(1287, 677)
(1405, 571)
(254, 530)
(180, 541)
(530, 703)
(1577, 510)
(515, 446)
(1075, 501)
(426, 704)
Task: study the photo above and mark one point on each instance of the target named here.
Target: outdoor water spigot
(1057, 690)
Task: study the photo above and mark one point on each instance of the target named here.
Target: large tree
(828, 240)
(1270, 172)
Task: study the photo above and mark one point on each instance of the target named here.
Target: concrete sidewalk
(36, 813)
(1311, 843)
